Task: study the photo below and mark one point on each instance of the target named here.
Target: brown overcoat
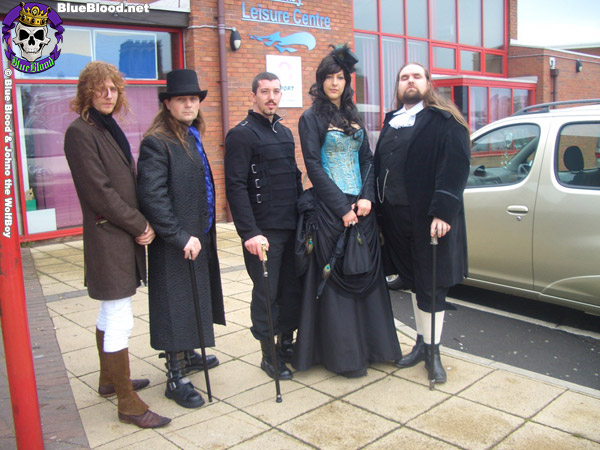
(106, 186)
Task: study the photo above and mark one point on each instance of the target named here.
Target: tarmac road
(547, 339)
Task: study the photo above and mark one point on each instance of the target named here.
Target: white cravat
(406, 118)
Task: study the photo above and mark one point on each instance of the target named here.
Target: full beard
(412, 97)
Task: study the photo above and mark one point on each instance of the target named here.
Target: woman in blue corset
(346, 321)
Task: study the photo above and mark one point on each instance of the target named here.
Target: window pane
(392, 16)
(499, 103)
(134, 53)
(577, 160)
(75, 53)
(503, 156)
(393, 60)
(520, 99)
(165, 55)
(445, 92)
(493, 23)
(365, 15)
(461, 99)
(443, 20)
(470, 61)
(416, 18)
(418, 52)
(45, 114)
(469, 22)
(478, 107)
(444, 58)
(494, 63)
(367, 84)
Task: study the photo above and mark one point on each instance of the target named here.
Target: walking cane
(200, 328)
(270, 321)
(434, 243)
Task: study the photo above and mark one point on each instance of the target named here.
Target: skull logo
(31, 41)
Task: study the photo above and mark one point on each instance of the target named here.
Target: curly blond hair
(91, 82)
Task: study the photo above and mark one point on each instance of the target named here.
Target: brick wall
(570, 85)
(512, 20)
(202, 55)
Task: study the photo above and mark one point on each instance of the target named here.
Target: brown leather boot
(131, 408)
(105, 386)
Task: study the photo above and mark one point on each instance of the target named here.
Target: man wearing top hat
(263, 185)
(177, 195)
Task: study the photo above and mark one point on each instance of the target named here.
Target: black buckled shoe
(439, 374)
(416, 355)
(267, 363)
(180, 388)
(194, 363)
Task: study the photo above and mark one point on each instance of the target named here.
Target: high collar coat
(172, 194)
(106, 186)
(435, 174)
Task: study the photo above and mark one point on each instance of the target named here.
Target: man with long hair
(114, 230)
(177, 195)
(263, 185)
(421, 168)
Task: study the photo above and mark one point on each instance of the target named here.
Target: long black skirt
(351, 324)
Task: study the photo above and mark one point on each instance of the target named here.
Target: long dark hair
(431, 98)
(347, 114)
(166, 126)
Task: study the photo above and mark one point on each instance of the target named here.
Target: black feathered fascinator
(345, 57)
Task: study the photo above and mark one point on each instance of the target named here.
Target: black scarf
(107, 121)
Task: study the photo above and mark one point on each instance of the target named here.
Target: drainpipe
(223, 75)
(554, 76)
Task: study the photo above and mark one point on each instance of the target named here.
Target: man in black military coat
(263, 184)
(421, 167)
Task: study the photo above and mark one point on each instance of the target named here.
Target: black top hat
(182, 82)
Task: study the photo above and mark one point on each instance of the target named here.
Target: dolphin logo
(283, 43)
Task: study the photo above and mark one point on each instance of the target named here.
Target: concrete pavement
(483, 405)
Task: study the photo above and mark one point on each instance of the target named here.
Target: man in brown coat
(114, 230)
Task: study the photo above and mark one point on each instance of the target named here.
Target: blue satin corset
(339, 156)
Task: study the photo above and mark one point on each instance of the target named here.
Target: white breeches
(116, 320)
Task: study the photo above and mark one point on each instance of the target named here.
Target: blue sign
(283, 43)
(295, 18)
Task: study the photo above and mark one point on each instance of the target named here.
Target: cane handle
(264, 251)
(434, 238)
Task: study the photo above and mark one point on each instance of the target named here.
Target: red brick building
(465, 44)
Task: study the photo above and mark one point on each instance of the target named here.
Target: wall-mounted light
(235, 39)
(578, 66)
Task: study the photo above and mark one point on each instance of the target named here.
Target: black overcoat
(435, 174)
(172, 195)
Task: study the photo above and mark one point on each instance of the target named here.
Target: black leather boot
(194, 363)
(180, 388)
(439, 374)
(267, 363)
(416, 355)
(285, 347)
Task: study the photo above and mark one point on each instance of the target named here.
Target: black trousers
(284, 286)
(402, 258)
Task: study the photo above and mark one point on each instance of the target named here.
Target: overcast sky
(558, 22)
